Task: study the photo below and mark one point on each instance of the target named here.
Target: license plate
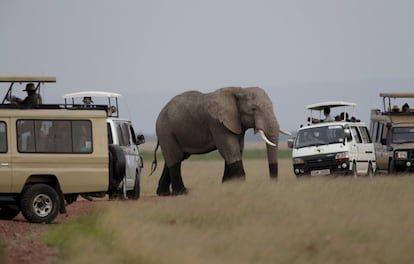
(320, 172)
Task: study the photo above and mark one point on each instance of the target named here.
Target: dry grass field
(314, 220)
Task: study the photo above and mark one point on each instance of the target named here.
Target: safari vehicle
(121, 133)
(342, 146)
(52, 153)
(392, 131)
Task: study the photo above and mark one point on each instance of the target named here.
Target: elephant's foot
(161, 192)
(183, 191)
(234, 171)
(273, 170)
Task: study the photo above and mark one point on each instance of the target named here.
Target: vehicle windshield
(317, 136)
(402, 135)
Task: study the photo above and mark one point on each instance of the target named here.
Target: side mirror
(347, 133)
(140, 139)
(290, 142)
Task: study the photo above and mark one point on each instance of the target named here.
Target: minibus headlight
(298, 161)
(400, 155)
(342, 157)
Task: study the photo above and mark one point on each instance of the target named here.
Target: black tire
(39, 203)
(135, 193)
(7, 213)
(117, 165)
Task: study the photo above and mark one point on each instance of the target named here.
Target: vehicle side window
(109, 130)
(356, 135)
(375, 131)
(63, 136)
(3, 137)
(54, 136)
(365, 135)
(119, 134)
(134, 137)
(82, 136)
(125, 134)
(25, 136)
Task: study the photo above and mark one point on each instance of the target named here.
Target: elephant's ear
(223, 107)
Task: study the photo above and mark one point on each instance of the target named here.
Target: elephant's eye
(253, 109)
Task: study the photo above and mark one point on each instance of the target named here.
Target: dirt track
(20, 238)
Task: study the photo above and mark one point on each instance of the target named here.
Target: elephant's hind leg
(177, 183)
(164, 182)
(234, 171)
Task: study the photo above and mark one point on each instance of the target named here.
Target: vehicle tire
(39, 203)
(117, 165)
(135, 193)
(370, 171)
(354, 169)
(7, 213)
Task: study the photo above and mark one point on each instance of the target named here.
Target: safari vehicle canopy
(24, 79)
(332, 147)
(392, 131)
(87, 97)
(345, 107)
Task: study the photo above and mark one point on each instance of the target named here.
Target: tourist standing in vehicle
(405, 108)
(327, 113)
(32, 97)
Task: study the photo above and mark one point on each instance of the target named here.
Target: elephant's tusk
(262, 134)
(285, 132)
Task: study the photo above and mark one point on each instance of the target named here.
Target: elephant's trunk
(272, 156)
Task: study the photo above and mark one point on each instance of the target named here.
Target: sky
(301, 52)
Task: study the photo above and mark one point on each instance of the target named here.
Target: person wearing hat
(32, 97)
(87, 100)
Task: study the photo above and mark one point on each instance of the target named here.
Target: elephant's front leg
(231, 150)
(233, 171)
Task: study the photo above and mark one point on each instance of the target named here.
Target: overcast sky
(300, 51)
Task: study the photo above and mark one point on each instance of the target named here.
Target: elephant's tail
(154, 162)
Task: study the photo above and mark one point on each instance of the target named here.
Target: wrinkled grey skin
(197, 123)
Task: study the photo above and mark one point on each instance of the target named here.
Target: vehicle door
(366, 152)
(5, 157)
(130, 150)
(378, 137)
(354, 143)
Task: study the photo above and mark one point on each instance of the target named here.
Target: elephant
(198, 123)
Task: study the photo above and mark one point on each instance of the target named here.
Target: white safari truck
(52, 153)
(392, 131)
(341, 146)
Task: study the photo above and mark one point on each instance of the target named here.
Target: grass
(317, 220)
